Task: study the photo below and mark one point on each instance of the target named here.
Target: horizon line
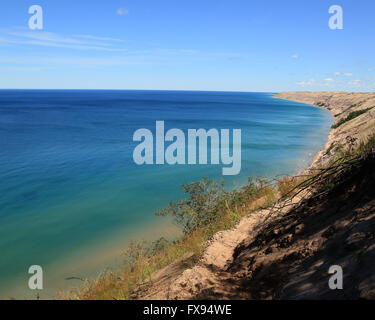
(173, 90)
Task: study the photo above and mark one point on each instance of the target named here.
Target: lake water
(71, 196)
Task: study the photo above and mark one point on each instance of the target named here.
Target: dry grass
(287, 185)
(143, 260)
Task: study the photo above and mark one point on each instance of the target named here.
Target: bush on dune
(351, 116)
(207, 209)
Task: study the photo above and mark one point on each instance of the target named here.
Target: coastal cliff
(270, 240)
(341, 105)
(285, 251)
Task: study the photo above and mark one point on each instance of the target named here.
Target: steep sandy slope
(340, 104)
(288, 255)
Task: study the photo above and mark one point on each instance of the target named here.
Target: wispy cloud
(348, 74)
(82, 62)
(50, 39)
(90, 37)
(308, 83)
(295, 56)
(355, 83)
(127, 58)
(337, 74)
(122, 11)
(115, 52)
(327, 82)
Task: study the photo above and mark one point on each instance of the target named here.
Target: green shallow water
(71, 197)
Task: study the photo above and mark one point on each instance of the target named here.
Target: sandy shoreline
(211, 273)
(340, 105)
(318, 156)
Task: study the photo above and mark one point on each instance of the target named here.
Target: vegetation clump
(208, 208)
(351, 116)
(208, 201)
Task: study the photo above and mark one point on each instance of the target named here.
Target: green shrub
(202, 206)
(351, 116)
(208, 201)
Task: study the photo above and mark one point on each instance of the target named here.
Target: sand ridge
(290, 263)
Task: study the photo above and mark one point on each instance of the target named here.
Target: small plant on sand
(351, 116)
(208, 209)
(204, 204)
(208, 202)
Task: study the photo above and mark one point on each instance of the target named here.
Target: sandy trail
(291, 261)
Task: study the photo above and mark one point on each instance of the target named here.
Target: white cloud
(121, 59)
(295, 56)
(348, 74)
(122, 11)
(355, 83)
(329, 80)
(337, 73)
(90, 37)
(306, 83)
(46, 36)
(50, 39)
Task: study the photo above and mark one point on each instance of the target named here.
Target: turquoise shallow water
(71, 196)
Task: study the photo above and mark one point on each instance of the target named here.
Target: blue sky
(188, 45)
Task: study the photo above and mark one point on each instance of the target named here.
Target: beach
(340, 105)
(70, 188)
(226, 257)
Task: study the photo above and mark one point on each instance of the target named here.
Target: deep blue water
(67, 177)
